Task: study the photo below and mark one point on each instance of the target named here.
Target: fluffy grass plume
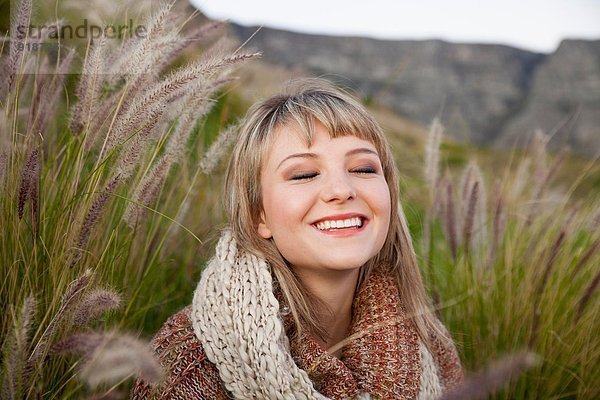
(111, 357)
(485, 383)
(126, 138)
(90, 135)
(532, 285)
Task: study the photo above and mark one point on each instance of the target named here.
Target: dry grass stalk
(217, 149)
(585, 298)
(105, 109)
(141, 58)
(152, 104)
(82, 344)
(594, 222)
(100, 11)
(88, 89)
(34, 195)
(20, 18)
(68, 301)
(52, 93)
(553, 251)
(432, 155)
(542, 183)
(39, 86)
(498, 224)
(466, 181)
(558, 160)
(147, 111)
(48, 29)
(3, 169)
(488, 381)
(470, 216)
(14, 349)
(537, 149)
(26, 319)
(111, 357)
(147, 191)
(450, 218)
(196, 106)
(196, 35)
(465, 186)
(473, 214)
(586, 257)
(28, 186)
(130, 156)
(520, 180)
(92, 216)
(435, 210)
(94, 304)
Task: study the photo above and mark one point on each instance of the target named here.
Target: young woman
(314, 291)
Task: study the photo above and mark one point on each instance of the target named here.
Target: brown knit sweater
(385, 362)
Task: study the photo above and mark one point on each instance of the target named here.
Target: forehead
(289, 138)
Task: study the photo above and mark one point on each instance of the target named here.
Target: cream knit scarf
(236, 317)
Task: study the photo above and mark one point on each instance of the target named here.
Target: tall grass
(514, 265)
(109, 199)
(84, 201)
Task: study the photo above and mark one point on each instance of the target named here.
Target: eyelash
(311, 175)
(365, 170)
(304, 176)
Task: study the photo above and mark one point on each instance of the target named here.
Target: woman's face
(327, 207)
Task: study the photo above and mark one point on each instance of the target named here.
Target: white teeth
(346, 223)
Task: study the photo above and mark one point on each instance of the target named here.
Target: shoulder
(187, 371)
(446, 357)
(176, 337)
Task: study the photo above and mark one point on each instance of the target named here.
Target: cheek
(379, 195)
(285, 206)
(382, 203)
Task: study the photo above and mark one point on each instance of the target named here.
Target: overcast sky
(530, 24)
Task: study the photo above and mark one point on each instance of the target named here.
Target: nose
(338, 188)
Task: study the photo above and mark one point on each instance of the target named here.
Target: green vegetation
(110, 200)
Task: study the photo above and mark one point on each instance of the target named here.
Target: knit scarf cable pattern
(235, 315)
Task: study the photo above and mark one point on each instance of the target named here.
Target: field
(111, 168)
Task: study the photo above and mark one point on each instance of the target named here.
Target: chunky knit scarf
(236, 316)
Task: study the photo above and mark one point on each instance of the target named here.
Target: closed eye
(305, 176)
(364, 170)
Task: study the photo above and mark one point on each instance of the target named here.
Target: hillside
(485, 94)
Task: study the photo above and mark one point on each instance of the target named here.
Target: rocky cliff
(486, 94)
(564, 99)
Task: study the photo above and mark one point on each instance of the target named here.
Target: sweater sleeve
(188, 374)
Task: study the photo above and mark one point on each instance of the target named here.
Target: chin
(347, 264)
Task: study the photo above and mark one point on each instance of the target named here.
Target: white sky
(531, 24)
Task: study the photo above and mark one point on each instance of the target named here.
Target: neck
(336, 289)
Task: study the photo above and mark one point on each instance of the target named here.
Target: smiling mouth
(347, 224)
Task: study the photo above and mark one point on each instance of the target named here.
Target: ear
(263, 230)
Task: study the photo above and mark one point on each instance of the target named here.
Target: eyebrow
(313, 155)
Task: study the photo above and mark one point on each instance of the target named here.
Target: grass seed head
(94, 304)
(488, 381)
(118, 357)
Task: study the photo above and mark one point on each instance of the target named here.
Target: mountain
(486, 94)
(564, 98)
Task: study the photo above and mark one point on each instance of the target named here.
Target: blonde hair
(304, 102)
